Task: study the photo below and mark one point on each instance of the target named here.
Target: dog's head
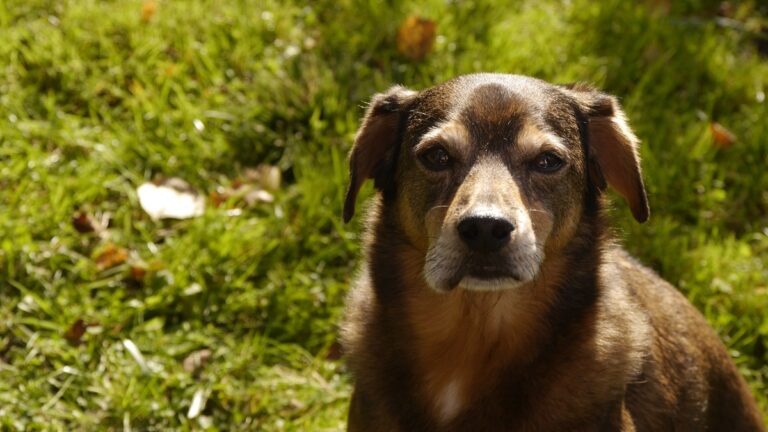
(487, 174)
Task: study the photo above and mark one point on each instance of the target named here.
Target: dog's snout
(485, 233)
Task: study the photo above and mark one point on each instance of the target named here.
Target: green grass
(94, 101)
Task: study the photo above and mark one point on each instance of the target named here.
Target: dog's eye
(436, 158)
(547, 163)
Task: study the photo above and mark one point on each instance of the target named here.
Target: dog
(493, 298)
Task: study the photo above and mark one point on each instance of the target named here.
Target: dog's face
(488, 174)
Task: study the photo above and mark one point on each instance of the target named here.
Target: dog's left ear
(373, 154)
(613, 148)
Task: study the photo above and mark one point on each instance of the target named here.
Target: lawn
(110, 319)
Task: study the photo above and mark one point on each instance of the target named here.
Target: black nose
(485, 233)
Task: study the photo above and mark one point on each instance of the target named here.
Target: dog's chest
(449, 400)
(462, 354)
(453, 391)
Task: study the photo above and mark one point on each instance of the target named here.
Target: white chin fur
(470, 283)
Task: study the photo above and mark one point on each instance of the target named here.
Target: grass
(98, 97)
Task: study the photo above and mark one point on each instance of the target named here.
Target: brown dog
(492, 298)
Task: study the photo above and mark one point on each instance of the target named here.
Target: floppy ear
(373, 154)
(613, 149)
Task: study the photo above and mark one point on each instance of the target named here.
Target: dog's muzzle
(485, 249)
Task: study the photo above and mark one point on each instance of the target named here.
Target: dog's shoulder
(686, 369)
(674, 321)
(660, 299)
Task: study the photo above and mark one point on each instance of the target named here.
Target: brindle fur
(594, 341)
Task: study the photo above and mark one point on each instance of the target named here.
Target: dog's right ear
(374, 150)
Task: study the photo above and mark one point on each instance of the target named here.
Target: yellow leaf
(111, 256)
(148, 9)
(416, 37)
(169, 70)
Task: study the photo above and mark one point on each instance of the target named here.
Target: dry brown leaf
(219, 196)
(116, 330)
(660, 6)
(196, 360)
(110, 256)
(722, 136)
(135, 277)
(268, 177)
(335, 351)
(138, 273)
(253, 187)
(148, 9)
(75, 332)
(98, 223)
(83, 223)
(415, 37)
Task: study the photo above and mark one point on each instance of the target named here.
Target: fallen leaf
(169, 70)
(198, 124)
(218, 197)
(148, 9)
(110, 256)
(335, 352)
(660, 6)
(258, 195)
(136, 354)
(98, 223)
(75, 332)
(722, 136)
(268, 177)
(415, 37)
(116, 330)
(194, 288)
(196, 360)
(82, 223)
(136, 88)
(198, 403)
(253, 187)
(171, 199)
(136, 275)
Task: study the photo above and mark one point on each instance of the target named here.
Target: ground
(112, 320)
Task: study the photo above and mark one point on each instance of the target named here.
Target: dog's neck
(460, 343)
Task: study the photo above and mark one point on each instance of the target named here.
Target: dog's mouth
(491, 272)
(448, 267)
(473, 275)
